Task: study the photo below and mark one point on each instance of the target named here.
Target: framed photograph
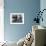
(16, 18)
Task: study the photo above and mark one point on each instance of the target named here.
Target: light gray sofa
(39, 37)
(39, 34)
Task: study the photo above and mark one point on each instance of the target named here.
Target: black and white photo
(16, 18)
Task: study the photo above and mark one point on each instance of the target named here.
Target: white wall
(1, 21)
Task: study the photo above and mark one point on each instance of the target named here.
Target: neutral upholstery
(39, 35)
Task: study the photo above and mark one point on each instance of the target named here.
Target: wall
(43, 6)
(1, 21)
(29, 8)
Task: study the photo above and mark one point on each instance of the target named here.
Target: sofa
(39, 37)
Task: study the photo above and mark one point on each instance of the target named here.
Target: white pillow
(21, 42)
